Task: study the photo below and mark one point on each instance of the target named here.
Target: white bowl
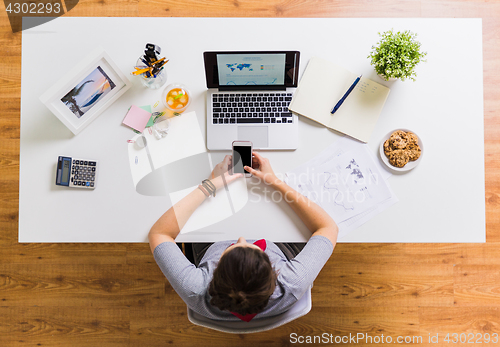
(411, 164)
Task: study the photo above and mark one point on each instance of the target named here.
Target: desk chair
(299, 309)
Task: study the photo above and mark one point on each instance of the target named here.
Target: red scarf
(248, 317)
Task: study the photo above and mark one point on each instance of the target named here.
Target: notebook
(323, 84)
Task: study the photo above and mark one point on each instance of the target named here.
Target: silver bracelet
(204, 190)
(209, 186)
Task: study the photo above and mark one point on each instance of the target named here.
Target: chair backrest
(299, 309)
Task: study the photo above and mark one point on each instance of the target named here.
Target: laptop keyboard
(230, 108)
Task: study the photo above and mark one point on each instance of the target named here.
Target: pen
(346, 94)
(162, 64)
(158, 67)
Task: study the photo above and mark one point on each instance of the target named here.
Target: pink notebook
(137, 118)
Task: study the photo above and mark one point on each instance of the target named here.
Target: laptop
(248, 97)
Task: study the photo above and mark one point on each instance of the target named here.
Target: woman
(240, 280)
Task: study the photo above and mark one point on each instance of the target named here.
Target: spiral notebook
(323, 84)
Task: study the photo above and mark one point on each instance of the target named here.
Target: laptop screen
(251, 70)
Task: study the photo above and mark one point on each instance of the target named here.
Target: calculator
(76, 173)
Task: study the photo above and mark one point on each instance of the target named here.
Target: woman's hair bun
(243, 281)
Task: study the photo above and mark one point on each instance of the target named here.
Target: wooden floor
(115, 295)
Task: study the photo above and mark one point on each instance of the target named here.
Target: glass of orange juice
(176, 98)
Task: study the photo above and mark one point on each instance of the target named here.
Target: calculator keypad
(83, 173)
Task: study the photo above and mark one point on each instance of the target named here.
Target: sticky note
(150, 121)
(137, 118)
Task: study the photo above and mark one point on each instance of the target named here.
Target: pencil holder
(152, 82)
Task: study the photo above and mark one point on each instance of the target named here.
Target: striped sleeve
(186, 279)
(299, 273)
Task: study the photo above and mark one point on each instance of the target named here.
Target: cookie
(398, 158)
(387, 148)
(413, 151)
(397, 140)
(411, 138)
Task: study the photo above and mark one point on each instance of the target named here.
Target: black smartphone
(242, 156)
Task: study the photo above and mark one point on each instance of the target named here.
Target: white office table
(442, 200)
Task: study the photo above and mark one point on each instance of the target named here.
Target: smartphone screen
(242, 156)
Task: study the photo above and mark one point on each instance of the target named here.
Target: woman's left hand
(222, 169)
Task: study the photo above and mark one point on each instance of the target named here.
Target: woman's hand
(220, 173)
(263, 170)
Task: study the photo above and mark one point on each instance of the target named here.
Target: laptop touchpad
(256, 134)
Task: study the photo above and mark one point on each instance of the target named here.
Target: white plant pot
(391, 79)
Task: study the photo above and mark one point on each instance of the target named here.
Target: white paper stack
(347, 181)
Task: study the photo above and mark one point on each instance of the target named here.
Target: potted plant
(396, 55)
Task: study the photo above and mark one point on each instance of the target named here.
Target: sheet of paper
(345, 186)
(139, 160)
(184, 139)
(341, 151)
(339, 147)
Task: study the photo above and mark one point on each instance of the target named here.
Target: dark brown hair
(243, 281)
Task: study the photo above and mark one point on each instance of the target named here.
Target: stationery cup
(176, 98)
(152, 82)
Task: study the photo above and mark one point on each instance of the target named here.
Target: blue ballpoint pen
(346, 94)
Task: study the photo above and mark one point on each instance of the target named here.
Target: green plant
(396, 55)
